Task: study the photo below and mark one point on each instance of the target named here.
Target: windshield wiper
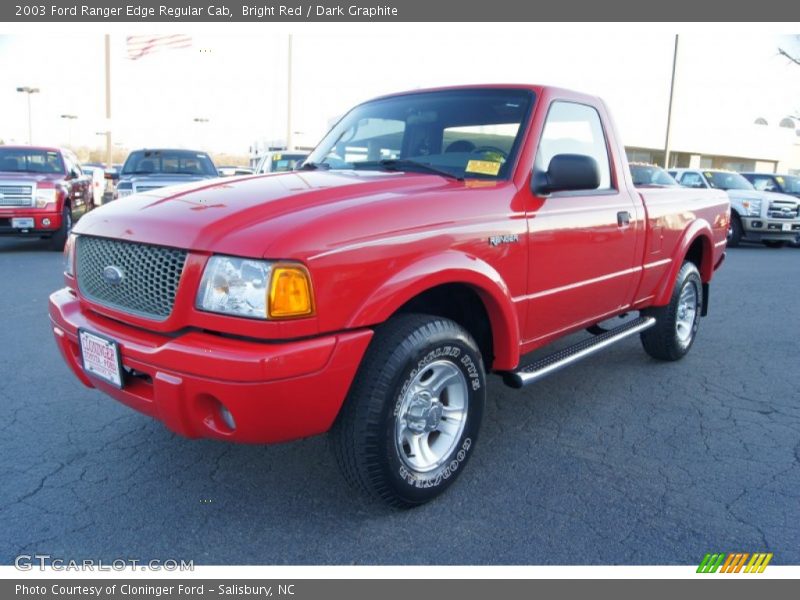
(404, 164)
(312, 166)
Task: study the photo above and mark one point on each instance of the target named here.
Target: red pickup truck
(431, 238)
(43, 191)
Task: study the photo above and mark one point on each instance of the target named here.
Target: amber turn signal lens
(290, 293)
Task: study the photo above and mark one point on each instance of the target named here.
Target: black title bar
(397, 11)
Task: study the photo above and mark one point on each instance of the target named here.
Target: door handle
(623, 218)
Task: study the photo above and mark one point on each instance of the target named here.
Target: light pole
(107, 135)
(70, 119)
(667, 137)
(201, 120)
(289, 98)
(29, 90)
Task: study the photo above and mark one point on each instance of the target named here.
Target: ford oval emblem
(113, 275)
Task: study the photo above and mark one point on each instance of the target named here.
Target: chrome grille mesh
(149, 281)
(145, 188)
(783, 210)
(16, 195)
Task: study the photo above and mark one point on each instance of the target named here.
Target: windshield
(26, 160)
(464, 133)
(169, 162)
(727, 181)
(651, 175)
(789, 183)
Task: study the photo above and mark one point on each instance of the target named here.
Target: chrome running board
(563, 358)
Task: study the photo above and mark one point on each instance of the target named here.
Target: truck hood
(36, 178)
(759, 195)
(161, 180)
(242, 216)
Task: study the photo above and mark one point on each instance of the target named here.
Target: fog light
(46, 222)
(226, 415)
(756, 224)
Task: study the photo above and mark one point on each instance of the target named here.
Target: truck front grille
(144, 281)
(783, 210)
(16, 195)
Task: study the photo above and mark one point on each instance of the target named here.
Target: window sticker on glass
(483, 167)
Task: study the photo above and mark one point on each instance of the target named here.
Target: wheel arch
(697, 247)
(483, 304)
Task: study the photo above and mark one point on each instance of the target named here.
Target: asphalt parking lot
(619, 460)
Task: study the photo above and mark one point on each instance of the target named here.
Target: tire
(60, 237)
(773, 243)
(735, 231)
(676, 323)
(402, 446)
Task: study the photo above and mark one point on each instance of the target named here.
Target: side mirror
(112, 175)
(567, 172)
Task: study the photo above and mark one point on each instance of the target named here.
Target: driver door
(582, 244)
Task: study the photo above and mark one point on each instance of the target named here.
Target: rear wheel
(735, 231)
(773, 243)
(60, 237)
(676, 323)
(411, 419)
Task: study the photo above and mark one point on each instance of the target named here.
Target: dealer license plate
(101, 357)
(786, 226)
(22, 222)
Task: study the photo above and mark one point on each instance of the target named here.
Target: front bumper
(758, 229)
(275, 391)
(38, 216)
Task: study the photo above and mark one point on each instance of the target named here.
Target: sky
(238, 82)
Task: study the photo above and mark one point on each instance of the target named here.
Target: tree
(785, 53)
(792, 55)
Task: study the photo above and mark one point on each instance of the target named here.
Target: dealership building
(758, 146)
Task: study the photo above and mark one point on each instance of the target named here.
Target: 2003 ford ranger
(432, 237)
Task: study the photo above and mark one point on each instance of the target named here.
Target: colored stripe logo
(735, 562)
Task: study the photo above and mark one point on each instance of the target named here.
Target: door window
(573, 128)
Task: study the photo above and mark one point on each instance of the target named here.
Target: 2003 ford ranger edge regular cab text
(432, 237)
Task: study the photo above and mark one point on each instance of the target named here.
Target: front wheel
(60, 237)
(735, 231)
(676, 323)
(412, 417)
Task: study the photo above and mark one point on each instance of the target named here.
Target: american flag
(140, 45)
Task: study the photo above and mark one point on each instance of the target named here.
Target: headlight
(257, 289)
(44, 197)
(69, 255)
(752, 208)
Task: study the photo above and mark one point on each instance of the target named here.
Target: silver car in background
(756, 216)
(153, 168)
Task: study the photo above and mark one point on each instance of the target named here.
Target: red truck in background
(431, 238)
(43, 191)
